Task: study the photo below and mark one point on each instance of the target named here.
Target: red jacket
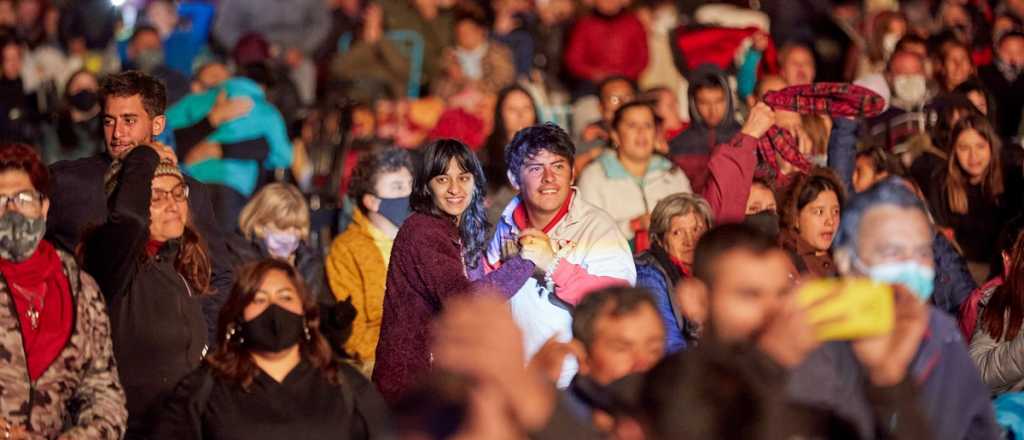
(730, 174)
(602, 46)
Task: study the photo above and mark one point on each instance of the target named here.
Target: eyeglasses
(21, 200)
(179, 193)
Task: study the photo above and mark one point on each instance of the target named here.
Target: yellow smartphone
(866, 307)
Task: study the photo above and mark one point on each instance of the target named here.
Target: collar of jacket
(613, 168)
(571, 217)
(169, 250)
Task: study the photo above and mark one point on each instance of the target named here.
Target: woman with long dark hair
(971, 194)
(997, 345)
(515, 110)
(153, 268)
(272, 351)
(437, 254)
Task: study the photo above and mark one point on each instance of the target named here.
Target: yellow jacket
(357, 267)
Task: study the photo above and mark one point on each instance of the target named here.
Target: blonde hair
(278, 204)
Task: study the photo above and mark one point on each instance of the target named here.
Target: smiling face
(544, 181)
(819, 220)
(453, 191)
(168, 208)
(126, 124)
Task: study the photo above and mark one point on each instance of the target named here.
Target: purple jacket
(426, 270)
(952, 395)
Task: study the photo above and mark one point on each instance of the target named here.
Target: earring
(232, 329)
(305, 328)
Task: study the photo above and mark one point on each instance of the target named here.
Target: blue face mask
(919, 279)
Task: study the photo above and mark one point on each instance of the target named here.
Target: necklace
(33, 311)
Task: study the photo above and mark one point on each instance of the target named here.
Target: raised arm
(113, 250)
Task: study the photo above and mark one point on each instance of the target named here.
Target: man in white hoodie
(586, 250)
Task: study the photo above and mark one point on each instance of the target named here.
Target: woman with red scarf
(58, 364)
(677, 223)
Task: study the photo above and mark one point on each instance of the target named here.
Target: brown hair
(193, 261)
(1004, 313)
(805, 188)
(957, 180)
(231, 361)
(817, 131)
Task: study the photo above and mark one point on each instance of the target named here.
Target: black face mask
(84, 100)
(273, 330)
(766, 221)
(396, 210)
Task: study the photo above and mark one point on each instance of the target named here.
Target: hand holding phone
(865, 308)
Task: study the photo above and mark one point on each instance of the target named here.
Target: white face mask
(889, 42)
(909, 90)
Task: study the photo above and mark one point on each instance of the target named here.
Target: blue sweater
(652, 278)
(263, 121)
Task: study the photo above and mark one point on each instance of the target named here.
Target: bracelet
(549, 271)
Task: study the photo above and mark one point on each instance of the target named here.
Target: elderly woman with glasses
(153, 268)
(677, 223)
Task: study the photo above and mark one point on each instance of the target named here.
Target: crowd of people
(510, 219)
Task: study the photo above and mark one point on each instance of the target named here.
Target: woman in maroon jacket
(437, 255)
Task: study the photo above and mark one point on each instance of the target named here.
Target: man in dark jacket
(885, 235)
(741, 293)
(133, 114)
(712, 121)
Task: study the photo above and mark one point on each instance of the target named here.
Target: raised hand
(886, 357)
(225, 109)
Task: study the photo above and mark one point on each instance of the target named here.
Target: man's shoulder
(83, 167)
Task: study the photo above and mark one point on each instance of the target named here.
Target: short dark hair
(370, 167)
(141, 29)
(612, 301)
(530, 141)
(131, 83)
(712, 392)
(470, 11)
(621, 111)
(909, 39)
(614, 78)
(1009, 34)
(725, 238)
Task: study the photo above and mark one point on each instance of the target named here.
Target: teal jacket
(263, 121)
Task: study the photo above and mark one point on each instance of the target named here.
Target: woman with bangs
(438, 254)
(275, 224)
(153, 269)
